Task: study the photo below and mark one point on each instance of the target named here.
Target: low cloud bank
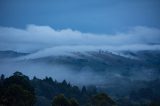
(85, 76)
(35, 38)
(45, 41)
(70, 50)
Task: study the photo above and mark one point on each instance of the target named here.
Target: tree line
(19, 90)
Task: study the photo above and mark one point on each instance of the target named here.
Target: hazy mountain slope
(116, 72)
(104, 60)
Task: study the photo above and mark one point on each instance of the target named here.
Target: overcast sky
(94, 16)
(30, 25)
(34, 38)
(61, 27)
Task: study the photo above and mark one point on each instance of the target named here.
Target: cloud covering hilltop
(35, 38)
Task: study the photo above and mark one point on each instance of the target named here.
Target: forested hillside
(19, 90)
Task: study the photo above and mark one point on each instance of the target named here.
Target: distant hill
(11, 54)
(118, 73)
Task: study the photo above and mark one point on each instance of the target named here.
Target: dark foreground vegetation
(19, 90)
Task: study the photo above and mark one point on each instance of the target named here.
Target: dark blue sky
(95, 16)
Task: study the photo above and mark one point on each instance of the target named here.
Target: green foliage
(49, 89)
(16, 91)
(15, 95)
(60, 100)
(19, 90)
(19, 79)
(74, 102)
(102, 100)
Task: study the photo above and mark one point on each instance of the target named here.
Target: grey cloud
(41, 37)
(68, 50)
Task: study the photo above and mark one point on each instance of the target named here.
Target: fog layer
(35, 38)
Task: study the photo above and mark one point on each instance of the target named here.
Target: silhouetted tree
(92, 90)
(64, 83)
(60, 100)
(17, 91)
(19, 79)
(74, 102)
(15, 95)
(102, 100)
(2, 77)
(84, 91)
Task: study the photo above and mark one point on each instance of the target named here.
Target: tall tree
(17, 91)
(15, 95)
(74, 102)
(102, 100)
(60, 100)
